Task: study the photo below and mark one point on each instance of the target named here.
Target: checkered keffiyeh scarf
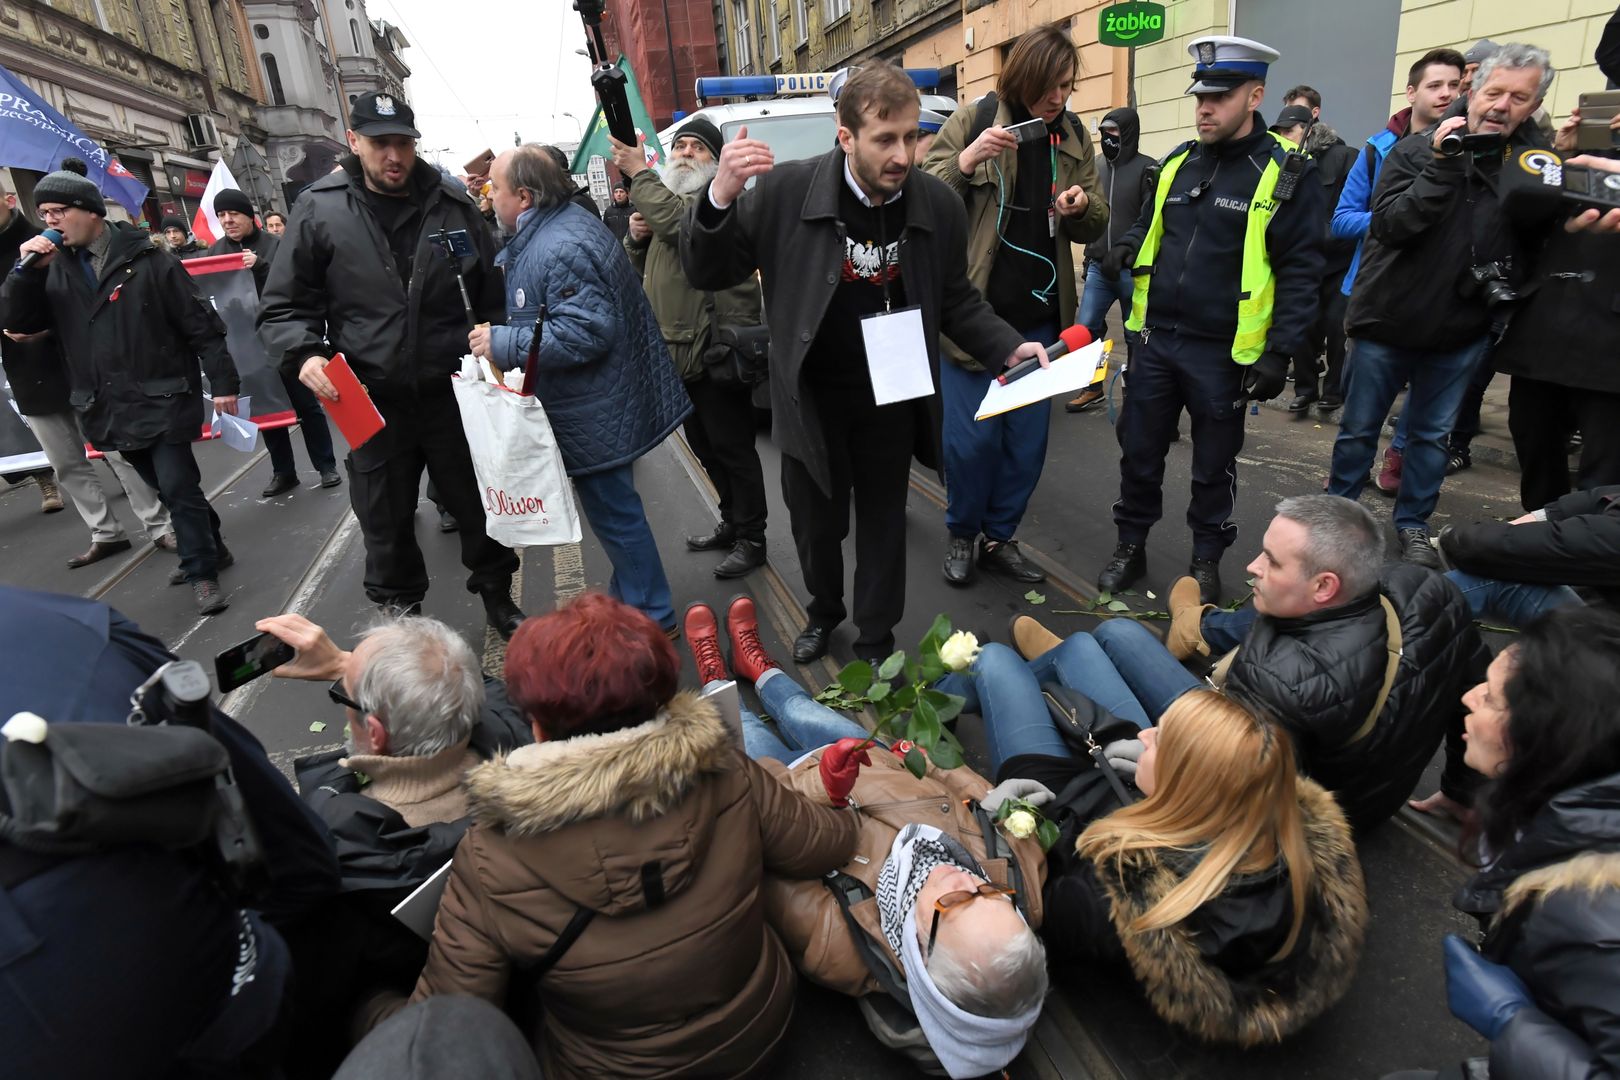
(917, 850)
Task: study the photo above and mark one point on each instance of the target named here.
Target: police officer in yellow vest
(1227, 260)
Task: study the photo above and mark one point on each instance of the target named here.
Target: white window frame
(835, 10)
(740, 33)
(801, 21)
(774, 31)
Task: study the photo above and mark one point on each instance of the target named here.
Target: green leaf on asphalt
(1034, 597)
(856, 677)
(891, 667)
(916, 763)
(1104, 597)
(317, 725)
(1118, 605)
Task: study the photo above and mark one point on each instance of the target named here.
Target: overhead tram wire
(417, 43)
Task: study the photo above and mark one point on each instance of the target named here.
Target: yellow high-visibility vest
(1258, 285)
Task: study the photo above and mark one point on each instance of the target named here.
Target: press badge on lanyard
(896, 350)
(1051, 205)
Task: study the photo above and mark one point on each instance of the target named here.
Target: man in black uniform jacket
(837, 239)
(361, 269)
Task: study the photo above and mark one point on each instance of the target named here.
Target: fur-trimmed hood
(1590, 873)
(638, 772)
(1270, 1004)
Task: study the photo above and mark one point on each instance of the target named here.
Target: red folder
(353, 411)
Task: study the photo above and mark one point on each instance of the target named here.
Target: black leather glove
(1265, 378)
(1118, 258)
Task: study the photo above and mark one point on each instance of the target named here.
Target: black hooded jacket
(338, 280)
(261, 243)
(1127, 180)
(1320, 676)
(38, 378)
(136, 342)
(1550, 906)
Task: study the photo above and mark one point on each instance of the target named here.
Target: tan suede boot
(1031, 639)
(1186, 637)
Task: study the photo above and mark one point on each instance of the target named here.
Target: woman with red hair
(613, 870)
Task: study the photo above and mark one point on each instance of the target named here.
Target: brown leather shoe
(1186, 637)
(99, 549)
(1086, 400)
(1031, 639)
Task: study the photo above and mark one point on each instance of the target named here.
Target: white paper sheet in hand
(239, 434)
(1066, 375)
(897, 356)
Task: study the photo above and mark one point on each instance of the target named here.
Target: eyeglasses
(52, 215)
(335, 692)
(957, 899)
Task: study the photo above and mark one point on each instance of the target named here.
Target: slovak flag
(205, 225)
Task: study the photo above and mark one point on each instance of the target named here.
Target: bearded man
(721, 427)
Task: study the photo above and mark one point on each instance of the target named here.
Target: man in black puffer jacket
(1366, 709)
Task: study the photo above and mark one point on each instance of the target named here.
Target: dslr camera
(1491, 282)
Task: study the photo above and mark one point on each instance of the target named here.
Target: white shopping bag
(527, 498)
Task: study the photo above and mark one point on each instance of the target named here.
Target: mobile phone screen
(1029, 130)
(247, 660)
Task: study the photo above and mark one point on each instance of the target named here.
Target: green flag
(595, 141)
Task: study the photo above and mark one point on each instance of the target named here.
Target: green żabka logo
(1130, 24)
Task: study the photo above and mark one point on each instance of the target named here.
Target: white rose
(1020, 824)
(959, 651)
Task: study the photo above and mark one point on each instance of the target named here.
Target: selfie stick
(442, 239)
(606, 78)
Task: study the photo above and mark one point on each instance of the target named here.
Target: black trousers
(1172, 372)
(1467, 425)
(312, 422)
(1327, 332)
(1541, 416)
(385, 477)
(869, 451)
(170, 469)
(720, 432)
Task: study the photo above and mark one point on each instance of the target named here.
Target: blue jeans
(1513, 602)
(1437, 382)
(993, 465)
(610, 503)
(1111, 666)
(1101, 294)
(805, 722)
(1225, 630)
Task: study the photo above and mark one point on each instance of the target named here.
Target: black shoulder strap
(996, 847)
(984, 117)
(565, 941)
(848, 890)
(1372, 166)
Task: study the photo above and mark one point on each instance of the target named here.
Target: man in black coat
(616, 216)
(134, 962)
(1427, 301)
(358, 273)
(133, 329)
(39, 386)
(1365, 664)
(242, 233)
(838, 240)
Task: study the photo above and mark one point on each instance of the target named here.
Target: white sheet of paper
(1067, 375)
(897, 356)
(239, 434)
(726, 700)
(419, 909)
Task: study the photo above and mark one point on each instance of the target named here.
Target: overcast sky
(481, 71)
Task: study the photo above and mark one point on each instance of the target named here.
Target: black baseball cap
(382, 114)
(1294, 116)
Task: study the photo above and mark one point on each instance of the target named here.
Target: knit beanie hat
(702, 129)
(174, 221)
(232, 199)
(69, 189)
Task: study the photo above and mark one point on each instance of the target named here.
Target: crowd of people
(630, 880)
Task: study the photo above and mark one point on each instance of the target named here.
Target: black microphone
(1071, 340)
(53, 235)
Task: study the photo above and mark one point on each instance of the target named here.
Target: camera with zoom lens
(1492, 283)
(1460, 141)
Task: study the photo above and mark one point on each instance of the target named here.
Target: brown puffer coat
(887, 798)
(667, 831)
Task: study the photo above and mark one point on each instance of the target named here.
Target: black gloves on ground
(1265, 378)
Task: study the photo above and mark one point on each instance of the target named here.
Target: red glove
(840, 764)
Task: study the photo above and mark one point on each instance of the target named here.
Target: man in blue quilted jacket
(609, 388)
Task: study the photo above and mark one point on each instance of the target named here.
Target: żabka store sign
(1128, 25)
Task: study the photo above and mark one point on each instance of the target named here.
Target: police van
(792, 114)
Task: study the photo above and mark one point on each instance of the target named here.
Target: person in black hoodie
(1127, 177)
(1541, 986)
(242, 233)
(1427, 299)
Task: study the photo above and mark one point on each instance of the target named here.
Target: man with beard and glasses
(359, 274)
(721, 428)
(852, 246)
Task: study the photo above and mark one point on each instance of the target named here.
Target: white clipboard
(1067, 375)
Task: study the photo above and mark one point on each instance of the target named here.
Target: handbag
(1087, 726)
(736, 355)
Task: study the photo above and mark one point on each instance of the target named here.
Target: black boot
(503, 614)
(1126, 567)
(1003, 557)
(723, 537)
(745, 557)
(1207, 572)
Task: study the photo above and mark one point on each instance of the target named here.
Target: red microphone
(1071, 340)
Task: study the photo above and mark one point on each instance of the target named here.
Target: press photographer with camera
(1437, 283)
